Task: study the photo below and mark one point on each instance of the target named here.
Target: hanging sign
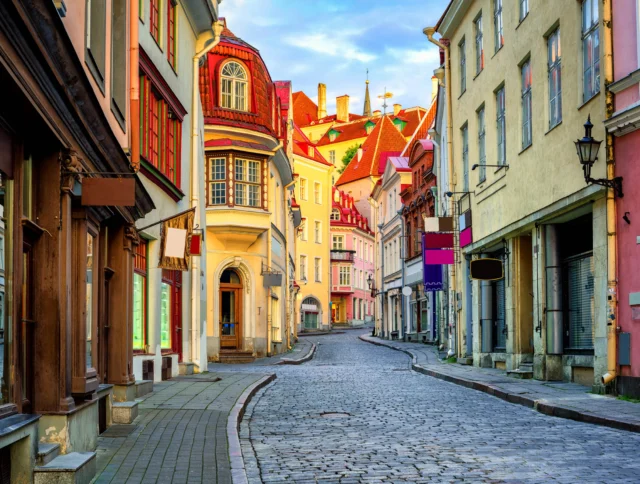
(175, 241)
(432, 274)
(438, 224)
(196, 244)
(109, 192)
(435, 240)
(486, 269)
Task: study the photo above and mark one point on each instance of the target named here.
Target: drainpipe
(195, 187)
(612, 277)
(286, 253)
(381, 291)
(402, 296)
(429, 32)
(134, 85)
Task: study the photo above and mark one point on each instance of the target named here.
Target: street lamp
(451, 194)
(587, 149)
(490, 166)
(370, 281)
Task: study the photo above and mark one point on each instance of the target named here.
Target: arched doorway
(230, 309)
(310, 311)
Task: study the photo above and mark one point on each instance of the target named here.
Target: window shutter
(580, 302)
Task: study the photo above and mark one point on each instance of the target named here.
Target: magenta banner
(438, 256)
(466, 237)
(432, 275)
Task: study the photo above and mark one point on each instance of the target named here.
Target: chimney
(377, 113)
(342, 108)
(322, 100)
(434, 87)
(397, 108)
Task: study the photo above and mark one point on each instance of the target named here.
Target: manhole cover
(116, 431)
(335, 415)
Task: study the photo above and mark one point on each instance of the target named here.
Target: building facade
(352, 263)
(312, 244)
(249, 183)
(547, 316)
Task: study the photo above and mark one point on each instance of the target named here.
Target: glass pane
(6, 280)
(139, 283)
(228, 305)
(90, 301)
(240, 170)
(241, 194)
(165, 316)
(254, 171)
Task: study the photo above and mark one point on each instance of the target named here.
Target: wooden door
(230, 317)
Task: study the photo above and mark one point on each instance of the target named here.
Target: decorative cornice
(625, 82)
(624, 122)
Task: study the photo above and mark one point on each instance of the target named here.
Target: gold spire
(367, 100)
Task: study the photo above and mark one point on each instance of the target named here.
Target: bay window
(235, 180)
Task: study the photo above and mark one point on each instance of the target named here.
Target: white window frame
(317, 269)
(303, 189)
(554, 65)
(590, 41)
(231, 98)
(317, 193)
(302, 269)
(337, 240)
(501, 127)
(344, 275)
(482, 145)
(526, 81)
(465, 157)
(317, 231)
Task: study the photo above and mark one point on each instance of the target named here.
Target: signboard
(486, 269)
(432, 274)
(109, 192)
(435, 240)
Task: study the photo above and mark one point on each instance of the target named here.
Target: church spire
(367, 101)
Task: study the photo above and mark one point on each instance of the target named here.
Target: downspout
(402, 296)
(612, 276)
(286, 252)
(429, 31)
(194, 199)
(381, 291)
(134, 85)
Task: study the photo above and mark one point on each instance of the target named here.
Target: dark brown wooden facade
(66, 266)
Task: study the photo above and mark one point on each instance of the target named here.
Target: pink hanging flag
(435, 256)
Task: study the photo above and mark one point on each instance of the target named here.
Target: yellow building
(313, 197)
(249, 227)
(519, 99)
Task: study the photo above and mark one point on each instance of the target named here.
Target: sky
(336, 41)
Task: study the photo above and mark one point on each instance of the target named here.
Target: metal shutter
(501, 330)
(580, 302)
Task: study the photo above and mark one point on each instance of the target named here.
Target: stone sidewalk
(560, 399)
(180, 435)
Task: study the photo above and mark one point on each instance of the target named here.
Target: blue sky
(335, 41)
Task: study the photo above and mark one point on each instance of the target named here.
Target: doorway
(230, 298)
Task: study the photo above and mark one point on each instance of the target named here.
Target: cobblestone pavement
(179, 436)
(401, 426)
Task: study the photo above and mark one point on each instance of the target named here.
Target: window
(555, 81)
(302, 270)
(361, 285)
(91, 295)
(465, 158)
(317, 192)
(303, 188)
(332, 157)
(360, 254)
(497, 24)
(172, 33)
(217, 181)
(345, 276)
(247, 186)
(337, 242)
(119, 59)
(590, 50)
(234, 87)
(96, 38)
(318, 232)
(501, 127)
(335, 214)
(140, 297)
(479, 46)
(317, 269)
(161, 133)
(524, 9)
(154, 19)
(355, 277)
(305, 232)
(463, 66)
(526, 104)
(481, 147)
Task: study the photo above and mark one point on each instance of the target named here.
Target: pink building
(624, 124)
(352, 263)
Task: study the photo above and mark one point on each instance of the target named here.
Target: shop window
(140, 297)
(91, 299)
(171, 311)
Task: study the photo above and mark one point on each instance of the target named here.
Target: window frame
(141, 256)
(235, 81)
(482, 145)
(317, 193)
(344, 276)
(589, 33)
(214, 183)
(172, 34)
(479, 41)
(303, 189)
(333, 212)
(462, 50)
(526, 81)
(303, 267)
(317, 269)
(523, 10)
(498, 25)
(554, 66)
(247, 181)
(464, 131)
(501, 127)
(337, 238)
(317, 231)
(155, 20)
(96, 56)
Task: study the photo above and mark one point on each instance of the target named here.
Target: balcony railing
(343, 255)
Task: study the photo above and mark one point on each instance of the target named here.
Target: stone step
(236, 359)
(526, 367)
(143, 387)
(185, 368)
(520, 374)
(124, 412)
(467, 360)
(47, 452)
(72, 468)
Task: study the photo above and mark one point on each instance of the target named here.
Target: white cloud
(336, 45)
(412, 56)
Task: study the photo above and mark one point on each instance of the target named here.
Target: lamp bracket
(615, 183)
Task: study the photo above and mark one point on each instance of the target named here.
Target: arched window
(233, 87)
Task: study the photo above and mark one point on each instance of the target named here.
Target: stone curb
(299, 361)
(238, 473)
(322, 333)
(542, 406)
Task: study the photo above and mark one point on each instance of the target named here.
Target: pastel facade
(313, 196)
(622, 125)
(249, 182)
(537, 215)
(352, 263)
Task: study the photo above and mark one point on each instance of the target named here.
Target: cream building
(521, 87)
(312, 243)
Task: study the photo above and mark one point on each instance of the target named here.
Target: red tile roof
(302, 145)
(422, 130)
(305, 111)
(349, 214)
(385, 137)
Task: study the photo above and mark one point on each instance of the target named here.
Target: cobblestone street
(357, 413)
